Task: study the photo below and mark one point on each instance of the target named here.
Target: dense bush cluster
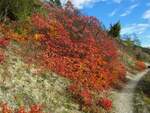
(106, 103)
(76, 47)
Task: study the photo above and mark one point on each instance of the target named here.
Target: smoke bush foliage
(74, 46)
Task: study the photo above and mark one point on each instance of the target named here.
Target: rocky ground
(21, 86)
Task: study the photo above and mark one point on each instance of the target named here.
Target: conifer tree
(56, 2)
(115, 30)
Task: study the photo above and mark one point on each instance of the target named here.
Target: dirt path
(123, 102)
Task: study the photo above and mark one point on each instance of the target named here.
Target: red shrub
(1, 57)
(33, 109)
(76, 47)
(5, 108)
(3, 42)
(140, 65)
(36, 109)
(39, 21)
(21, 110)
(86, 97)
(105, 103)
(73, 88)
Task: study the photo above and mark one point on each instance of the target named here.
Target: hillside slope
(62, 61)
(21, 85)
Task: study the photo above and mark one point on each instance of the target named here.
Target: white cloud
(83, 3)
(135, 28)
(129, 10)
(89, 3)
(147, 15)
(113, 13)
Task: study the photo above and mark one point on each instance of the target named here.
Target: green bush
(18, 9)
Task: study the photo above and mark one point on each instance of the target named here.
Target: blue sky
(134, 15)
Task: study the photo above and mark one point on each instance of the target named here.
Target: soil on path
(123, 102)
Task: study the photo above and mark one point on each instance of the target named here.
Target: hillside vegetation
(58, 59)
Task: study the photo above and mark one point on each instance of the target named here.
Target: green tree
(17, 9)
(56, 2)
(128, 42)
(115, 30)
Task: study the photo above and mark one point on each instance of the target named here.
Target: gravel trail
(123, 102)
